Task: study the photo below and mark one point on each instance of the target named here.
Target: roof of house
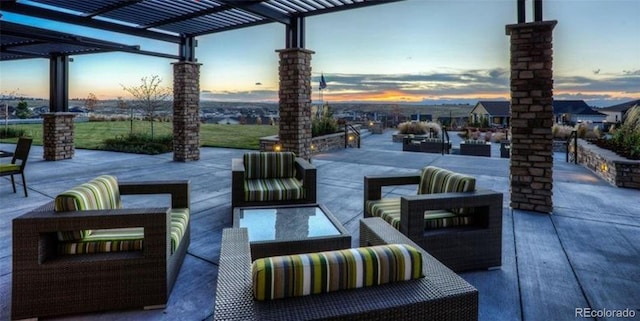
(569, 106)
(622, 107)
(495, 108)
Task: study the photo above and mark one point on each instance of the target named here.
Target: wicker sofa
(82, 252)
(457, 224)
(425, 145)
(272, 178)
(475, 148)
(441, 295)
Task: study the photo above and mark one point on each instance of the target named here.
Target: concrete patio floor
(585, 255)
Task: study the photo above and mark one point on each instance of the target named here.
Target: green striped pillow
(269, 165)
(100, 193)
(312, 273)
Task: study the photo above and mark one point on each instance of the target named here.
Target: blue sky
(420, 51)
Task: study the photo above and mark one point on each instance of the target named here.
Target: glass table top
(286, 224)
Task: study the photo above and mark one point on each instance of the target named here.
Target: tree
(91, 102)
(149, 96)
(23, 111)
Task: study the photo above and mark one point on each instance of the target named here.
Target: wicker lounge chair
(272, 178)
(441, 295)
(458, 225)
(47, 282)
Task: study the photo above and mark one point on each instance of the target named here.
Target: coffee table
(291, 229)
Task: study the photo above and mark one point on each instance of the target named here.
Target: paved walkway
(585, 255)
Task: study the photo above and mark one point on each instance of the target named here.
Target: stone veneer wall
(58, 136)
(320, 144)
(295, 101)
(609, 166)
(186, 111)
(532, 116)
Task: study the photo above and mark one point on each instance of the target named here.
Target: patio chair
(272, 178)
(457, 224)
(83, 252)
(18, 163)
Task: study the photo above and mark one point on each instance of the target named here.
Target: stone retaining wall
(609, 166)
(319, 144)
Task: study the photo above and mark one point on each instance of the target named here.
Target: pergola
(181, 21)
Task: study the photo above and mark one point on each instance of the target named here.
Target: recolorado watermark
(604, 313)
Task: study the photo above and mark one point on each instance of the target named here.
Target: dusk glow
(412, 51)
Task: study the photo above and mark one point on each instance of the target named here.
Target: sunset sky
(420, 51)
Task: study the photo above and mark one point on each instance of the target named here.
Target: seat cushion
(125, 239)
(269, 165)
(5, 168)
(273, 189)
(312, 273)
(101, 193)
(389, 210)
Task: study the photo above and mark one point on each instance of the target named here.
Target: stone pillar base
(532, 116)
(57, 136)
(295, 101)
(186, 111)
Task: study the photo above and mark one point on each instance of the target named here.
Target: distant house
(616, 113)
(571, 112)
(495, 113)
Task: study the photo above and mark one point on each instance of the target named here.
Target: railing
(572, 146)
(351, 133)
(446, 145)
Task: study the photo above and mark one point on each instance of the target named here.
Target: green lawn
(90, 135)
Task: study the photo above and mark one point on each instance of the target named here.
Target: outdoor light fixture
(277, 147)
(313, 147)
(370, 123)
(604, 167)
(350, 137)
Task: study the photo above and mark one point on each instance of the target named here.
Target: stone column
(531, 116)
(186, 111)
(295, 101)
(57, 136)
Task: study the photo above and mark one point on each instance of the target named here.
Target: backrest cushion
(312, 273)
(432, 180)
(269, 165)
(101, 193)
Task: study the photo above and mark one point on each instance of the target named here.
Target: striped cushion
(125, 239)
(312, 273)
(269, 165)
(101, 193)
(389, 210)
(437, 180)
(274, 189)
(9, 168)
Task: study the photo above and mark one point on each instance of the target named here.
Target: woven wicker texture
(441, 295)
(47, 284)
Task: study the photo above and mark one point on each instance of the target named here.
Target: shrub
(412, 127)
(10, 132)
(140, 144)
(561, 132)
(325, 124)
(499, 136)
(487, 136)
(419, 128)
(627, 136)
